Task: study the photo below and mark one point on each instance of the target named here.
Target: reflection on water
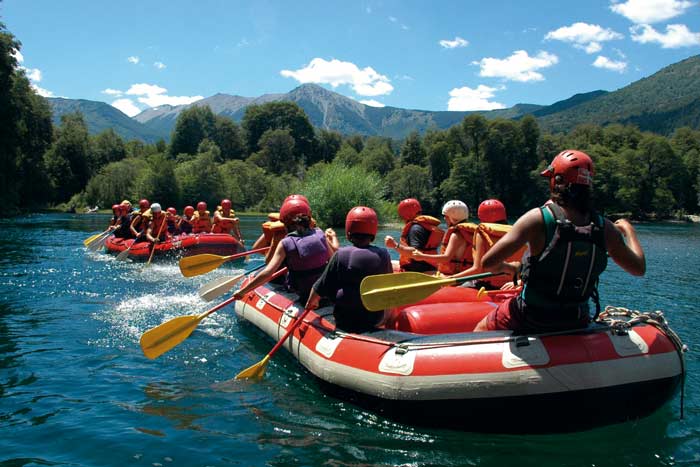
(76, 390)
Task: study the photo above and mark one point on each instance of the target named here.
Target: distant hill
(660, 103)
(100, 116)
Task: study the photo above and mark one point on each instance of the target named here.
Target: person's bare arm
(525, 230)
(479, 250)
(453, 244)
(272, 267)
(624, 247)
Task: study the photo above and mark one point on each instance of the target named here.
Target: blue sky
(456, 55)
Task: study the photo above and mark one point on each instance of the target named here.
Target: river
(76, 390)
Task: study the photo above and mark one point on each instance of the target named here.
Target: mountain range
(662, 102)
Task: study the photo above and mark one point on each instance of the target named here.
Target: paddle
(196, 265)
(99, 242)
(257, 371)
(124, 255)
(384, 291)
(153, 247)
(483, 292)
(220, 286)
(156, 341)
(92, 238)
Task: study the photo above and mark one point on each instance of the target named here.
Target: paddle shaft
(220, 286)
(289, 332)
(160, 230)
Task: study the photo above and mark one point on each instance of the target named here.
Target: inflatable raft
(179, 245)
(425, 367)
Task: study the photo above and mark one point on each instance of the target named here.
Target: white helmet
(456, 209)
(155, 207)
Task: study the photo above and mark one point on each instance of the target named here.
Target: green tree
(377, 156)
(67, 159)
(347, 155)
(245, 183)
(409, 181)
(259, 119)
(227, 136)
(276, 154)
(329, 143)
(334, 189)
(158, 182)
(193, 125)
(105, 147)
(412, 151)
(115, 182)
(200, 180)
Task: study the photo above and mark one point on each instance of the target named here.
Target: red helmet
(201, 206)
(172, 211)
(292, 208)
(570, 166)
(189, 210)
(300, 197)
(361, 220)
(409, 208)
(226, 204)
(116, 208)
(492, 210)
(144, 204)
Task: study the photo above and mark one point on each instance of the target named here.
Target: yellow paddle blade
(200, 264)
(256, 371)
(155, 342)
(384, 291)
(91, 239)
(210, 291)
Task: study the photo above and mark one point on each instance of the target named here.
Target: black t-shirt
(417, 237)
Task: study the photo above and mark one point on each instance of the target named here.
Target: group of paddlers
(151, 223)
(556, 252)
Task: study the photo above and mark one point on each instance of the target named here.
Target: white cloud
(42, 92)
(651, 11)
(159, 65)
(133, 59)
(153, 95)
(372, 103)
(466, 98)
(609, 64)
(127, 106)
(365, 82)
(243, 43)
(518, 67)
(18, 55)
(457, 42)
(34, 74)
(584, 36)
(112, 92)
(677, 35)
(393, 19)
(368, 10)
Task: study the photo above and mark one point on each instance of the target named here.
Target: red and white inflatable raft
(426, 367)
(179, 245)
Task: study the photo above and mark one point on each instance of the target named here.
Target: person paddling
(420, 232)
(140, 220)
(201, 223)
(569, 244)
(225, 221)
(305, 252)
(173, 220)
(456, 251)
(341, 279)
(157, 229)
(184, 225)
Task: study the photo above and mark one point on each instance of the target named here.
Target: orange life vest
(222, 225)
(200, 222)
(491, 234)
(274, 232)
(455, 265)
(430, 224)
(157, 227)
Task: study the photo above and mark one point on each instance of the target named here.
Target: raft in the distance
(179, 245)
(425, 366)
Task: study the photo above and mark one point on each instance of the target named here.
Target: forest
(275, 151)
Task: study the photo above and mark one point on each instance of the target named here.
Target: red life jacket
(455, 265)
(222, 225)
(430, 224)
(200, 222)
(491, 233)
(158, 229)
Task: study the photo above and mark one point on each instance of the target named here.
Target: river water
(76, 390)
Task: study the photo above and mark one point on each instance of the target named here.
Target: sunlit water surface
(76, 390)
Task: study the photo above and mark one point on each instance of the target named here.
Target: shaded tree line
(275, 150)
